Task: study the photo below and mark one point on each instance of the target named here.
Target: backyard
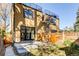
(27, 29)
(37, 48)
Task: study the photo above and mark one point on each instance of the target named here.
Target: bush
(47, 50)
(67, 42)
(2, 33)
(72, 50)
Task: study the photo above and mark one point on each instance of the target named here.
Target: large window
(28, 13)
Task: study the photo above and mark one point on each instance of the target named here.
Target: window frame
(53, 20)
(28, 15)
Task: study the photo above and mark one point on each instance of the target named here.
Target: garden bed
(46, 50)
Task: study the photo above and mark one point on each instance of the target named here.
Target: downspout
(13, 23)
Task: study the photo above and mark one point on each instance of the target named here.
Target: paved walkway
(9, 51)
(26, 45)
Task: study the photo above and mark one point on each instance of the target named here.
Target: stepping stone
(19, 50)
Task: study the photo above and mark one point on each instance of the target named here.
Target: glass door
(27, 33)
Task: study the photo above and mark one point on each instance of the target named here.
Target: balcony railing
(51, 13)
(33, 6)
(37, 7)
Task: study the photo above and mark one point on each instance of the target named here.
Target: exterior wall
(52, 27)
(20, 20)
(36, 22)
(43, 30)
(57, 24)
(39, 22)
(29, 22)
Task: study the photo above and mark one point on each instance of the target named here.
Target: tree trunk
(2, 48)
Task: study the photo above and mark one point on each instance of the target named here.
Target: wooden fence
(69, 35)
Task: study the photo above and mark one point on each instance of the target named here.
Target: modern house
(28, 20)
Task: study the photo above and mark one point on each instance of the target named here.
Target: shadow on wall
(19, 16)
(18, 19)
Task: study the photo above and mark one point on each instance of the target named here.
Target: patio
(33, 48)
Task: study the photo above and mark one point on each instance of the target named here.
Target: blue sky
(65, 11)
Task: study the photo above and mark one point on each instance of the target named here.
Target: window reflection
(28, 13)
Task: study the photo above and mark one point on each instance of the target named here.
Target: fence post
(63, 36)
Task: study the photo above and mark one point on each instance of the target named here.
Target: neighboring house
(28, 20)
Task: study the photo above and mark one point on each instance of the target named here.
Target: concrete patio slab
(9, 51)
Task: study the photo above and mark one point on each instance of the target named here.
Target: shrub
(67, 42)
(47, 50)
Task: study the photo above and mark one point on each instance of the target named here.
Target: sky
(65, 11)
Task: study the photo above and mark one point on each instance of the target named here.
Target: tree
(69, 29)
(76, 25)
(5, 10)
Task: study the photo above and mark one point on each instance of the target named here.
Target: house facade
(29, 20)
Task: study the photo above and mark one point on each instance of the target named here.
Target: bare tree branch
(5, 10)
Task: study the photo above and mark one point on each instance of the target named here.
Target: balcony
(34, 6)
(50, 13)
(49, 20)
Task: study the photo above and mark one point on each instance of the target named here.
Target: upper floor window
(28, 13)
(53, 20)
